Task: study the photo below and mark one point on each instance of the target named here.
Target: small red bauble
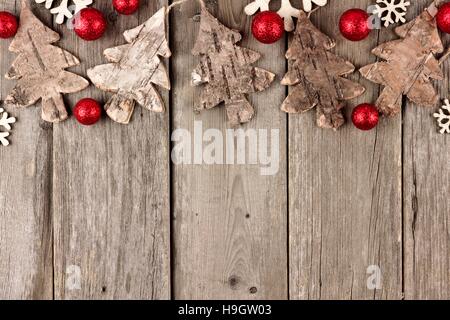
(443, 18)
(87, 111)
(365, 116)
(8, 25)
(354, 24)
(267, 27)
(89, 24)
(126, 7)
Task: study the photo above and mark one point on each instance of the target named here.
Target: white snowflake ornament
(3, 140)
(5, 122)
(391, 11)
(64, 10)
(251, 8)
(48, 3)
(443, 117)
(307, 4)
(287, 11)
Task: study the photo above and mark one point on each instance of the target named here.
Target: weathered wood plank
(111, 190)
(25, 194)
(426, 196)
(230, 222)
(344, 192)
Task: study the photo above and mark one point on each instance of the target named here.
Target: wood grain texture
(111, 190)
(230, 223)
(25, 195)
(344, 192)
(97, 199)
(426, 196)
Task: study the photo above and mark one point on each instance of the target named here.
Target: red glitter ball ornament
(443, 18)
(8, 25)
(354, 24)
(89, 24)
(267, 27)
(365, 116)
(87, 111)
(126, 7)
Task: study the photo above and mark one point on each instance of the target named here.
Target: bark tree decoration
(316, 76)
(133, 68)
(39, 68)
(409, 65)
(226, 71)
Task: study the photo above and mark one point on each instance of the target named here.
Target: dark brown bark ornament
(134, 68)
(39, 69)
(409, 65)
(316, 76)
(225, 70)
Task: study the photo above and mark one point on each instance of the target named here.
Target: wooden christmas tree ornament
(133, 69)
(409, 65)
(39, 68)
(225, 70)
(316, 76)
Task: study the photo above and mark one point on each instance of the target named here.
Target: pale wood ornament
(316, 76)
(443, 117)
(133, 69)
(5, 124)
(391, 11)
(409, 65)
(225, 70)
(39, 69)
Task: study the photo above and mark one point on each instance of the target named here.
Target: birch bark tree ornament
(39, 69)
(409, 65)
(316, 76)
(225, 70)
(133, 68)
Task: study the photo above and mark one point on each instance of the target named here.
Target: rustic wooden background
(107, 200)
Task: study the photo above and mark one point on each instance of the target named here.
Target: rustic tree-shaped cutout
(39, 68)
(133, 69)
(225, 70)
(315, 75)
(409, 65)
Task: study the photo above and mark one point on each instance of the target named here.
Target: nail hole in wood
(112, 17)
(233, 282)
